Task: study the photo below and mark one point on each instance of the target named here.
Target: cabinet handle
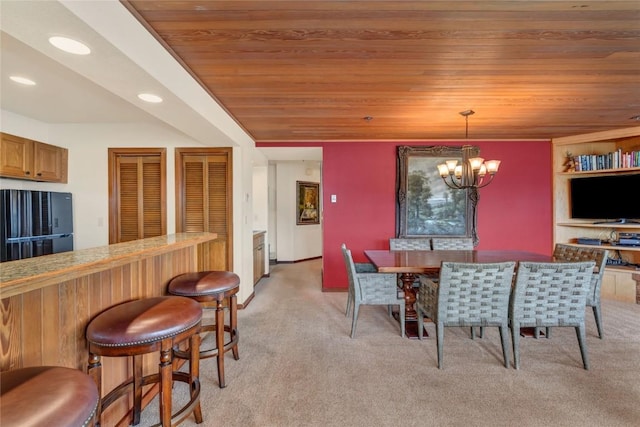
(27, 173)
(39, 174)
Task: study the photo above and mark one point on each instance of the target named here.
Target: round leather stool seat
(213, 289)
(204, 285)
(144, 326)
(141, 322)
(47, 396)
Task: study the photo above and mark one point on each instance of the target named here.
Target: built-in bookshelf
(618, 159)
(601, 153)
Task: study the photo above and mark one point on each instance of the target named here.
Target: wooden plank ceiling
(315, 70)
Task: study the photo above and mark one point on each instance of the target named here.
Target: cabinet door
(32, 160)
(16, 156)
(137, 189)
(203, 202)
(258, 257)
(49, 163)
(255, 259)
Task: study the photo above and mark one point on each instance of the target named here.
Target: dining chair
(467, 294)
(550, 294)
(452, 243)
(566, 253)
(361, 267)
(372, 288)
(410, 244)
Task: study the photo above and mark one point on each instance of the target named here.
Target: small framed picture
(308, 203)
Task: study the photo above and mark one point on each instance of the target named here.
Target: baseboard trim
(247, 301)
(334, 289)
(295, 261)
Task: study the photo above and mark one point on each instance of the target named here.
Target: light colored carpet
(298, 367)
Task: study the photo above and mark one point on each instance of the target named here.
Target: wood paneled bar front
(47, 302)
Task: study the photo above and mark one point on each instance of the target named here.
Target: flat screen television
(606, 199)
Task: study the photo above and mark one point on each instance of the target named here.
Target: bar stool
(213, 289)
(46, 396)
(144, 326)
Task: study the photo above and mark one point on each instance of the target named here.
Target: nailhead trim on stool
(144, 326)
(47, 396)
(212, 289)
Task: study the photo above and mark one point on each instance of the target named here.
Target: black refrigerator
(34, 223)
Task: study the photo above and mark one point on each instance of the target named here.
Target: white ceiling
(61, 95)
(103, 86)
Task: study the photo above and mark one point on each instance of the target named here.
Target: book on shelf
(612, 160)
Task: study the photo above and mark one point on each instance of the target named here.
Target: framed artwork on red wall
(425, 205)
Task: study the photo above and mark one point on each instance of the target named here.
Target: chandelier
(472, 171)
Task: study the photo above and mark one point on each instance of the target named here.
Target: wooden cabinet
(204, 189)
(137, 193)
(24, 158)
(259, 256)
(618, 282)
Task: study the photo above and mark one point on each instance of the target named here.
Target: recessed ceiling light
(149, 97)
(70, 45)
(22, 80)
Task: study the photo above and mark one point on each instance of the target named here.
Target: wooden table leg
(411, 316)
(409, 296)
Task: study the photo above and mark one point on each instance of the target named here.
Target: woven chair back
(474, 294)
(550, 294)
(410, 244)
(569, 253)
(446, 244)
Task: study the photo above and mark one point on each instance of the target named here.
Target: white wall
(295, 242)
(261, 205)
(273, 211)
(88, 179)
(242, 220)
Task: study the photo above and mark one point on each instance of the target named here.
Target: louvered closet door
(137, 195)
(205, 192)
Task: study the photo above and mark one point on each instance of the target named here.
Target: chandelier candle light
(472, 172)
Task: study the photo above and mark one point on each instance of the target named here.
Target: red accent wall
(514, 211)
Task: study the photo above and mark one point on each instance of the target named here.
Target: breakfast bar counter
(47, 302)
(17, 277)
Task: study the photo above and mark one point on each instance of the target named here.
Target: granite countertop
(26, 274)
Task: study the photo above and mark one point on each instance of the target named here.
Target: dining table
(409, 263)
